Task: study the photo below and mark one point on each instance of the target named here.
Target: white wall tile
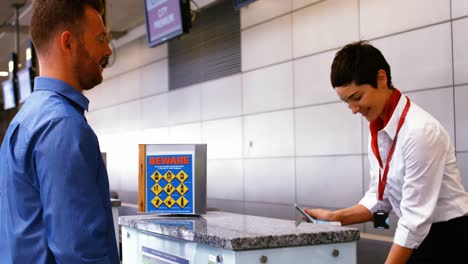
(184, 105)
(334, 182)
(270, 210)
(312, 80)
(327, 130)
(269, 180)
(268, 88)
(301, 3)
(148, 55)
(154, 78)
(269, 135)
(439, 103)
(380, 18)
(365, 135)
(462, 161)
(126, 58)
(230, 206)
(460, 52)
(223, 137)
(93, 96)
(221, 98)
(128, 116)
(104, 121)
(419, 59)
(260, 11)
(134, 55)
(461, 108)
(459, 8)
(185, 134)
(266, 43)
(106, 94)
(130, 86)
(366, 173)
(122, 159)
(107, 145)
(225, 179)
(326, 25)
(155, 111)
(155, 136)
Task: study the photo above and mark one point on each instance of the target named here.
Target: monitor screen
(238, 4)
(25, 84)
(8, 95)
(164, 20)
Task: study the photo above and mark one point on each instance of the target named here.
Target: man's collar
(62, 88)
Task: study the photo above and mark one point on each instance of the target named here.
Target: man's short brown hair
(49, 16)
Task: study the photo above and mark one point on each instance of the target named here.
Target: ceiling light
(3, 74)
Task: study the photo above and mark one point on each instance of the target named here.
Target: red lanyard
(383, 179)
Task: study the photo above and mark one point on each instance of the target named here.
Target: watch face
(381, 220)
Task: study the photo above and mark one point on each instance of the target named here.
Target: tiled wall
(277, 133)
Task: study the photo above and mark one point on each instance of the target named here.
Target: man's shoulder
(45, 107)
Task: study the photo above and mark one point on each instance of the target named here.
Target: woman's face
(364, 99)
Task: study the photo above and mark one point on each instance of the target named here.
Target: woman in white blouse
(412, 165)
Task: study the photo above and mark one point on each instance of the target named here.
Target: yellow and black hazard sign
(182, 201)
(182, 176)
(169, 201)
(156, 201)
(156, 176)
(169, 189)
(182, 189)
(169, 176)
(156, 189)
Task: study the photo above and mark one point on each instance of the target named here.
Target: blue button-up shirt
(54, 190)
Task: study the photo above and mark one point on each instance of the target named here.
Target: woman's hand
(320, 214)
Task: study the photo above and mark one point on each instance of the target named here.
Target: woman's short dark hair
(359, 62)
(49, 16)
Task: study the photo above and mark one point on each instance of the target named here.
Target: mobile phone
(313, 220)
(306, 215)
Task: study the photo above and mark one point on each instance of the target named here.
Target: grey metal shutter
(210, 51)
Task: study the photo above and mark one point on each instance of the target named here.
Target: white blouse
(423, 183)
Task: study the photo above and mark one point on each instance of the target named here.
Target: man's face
(93, 50)
(364, 99)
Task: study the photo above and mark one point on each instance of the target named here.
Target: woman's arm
(348, 216)
(398, 254)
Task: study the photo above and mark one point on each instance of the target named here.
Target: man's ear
(66, 42)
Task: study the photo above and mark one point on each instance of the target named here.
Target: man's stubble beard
(86, 70)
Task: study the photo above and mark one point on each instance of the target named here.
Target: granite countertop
(240, 232)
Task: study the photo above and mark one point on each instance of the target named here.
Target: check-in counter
(115, 204)
(227, 238)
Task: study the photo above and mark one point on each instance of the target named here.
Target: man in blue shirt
(54, 190)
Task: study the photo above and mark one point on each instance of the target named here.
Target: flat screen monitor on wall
(25, 83)
(166, 19)
(238, 4)
(8, 92)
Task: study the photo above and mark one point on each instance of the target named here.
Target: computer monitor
(25, 83)
(238, 4)
(166, 19)
(8, 91)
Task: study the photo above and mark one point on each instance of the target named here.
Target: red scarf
(378, 124)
